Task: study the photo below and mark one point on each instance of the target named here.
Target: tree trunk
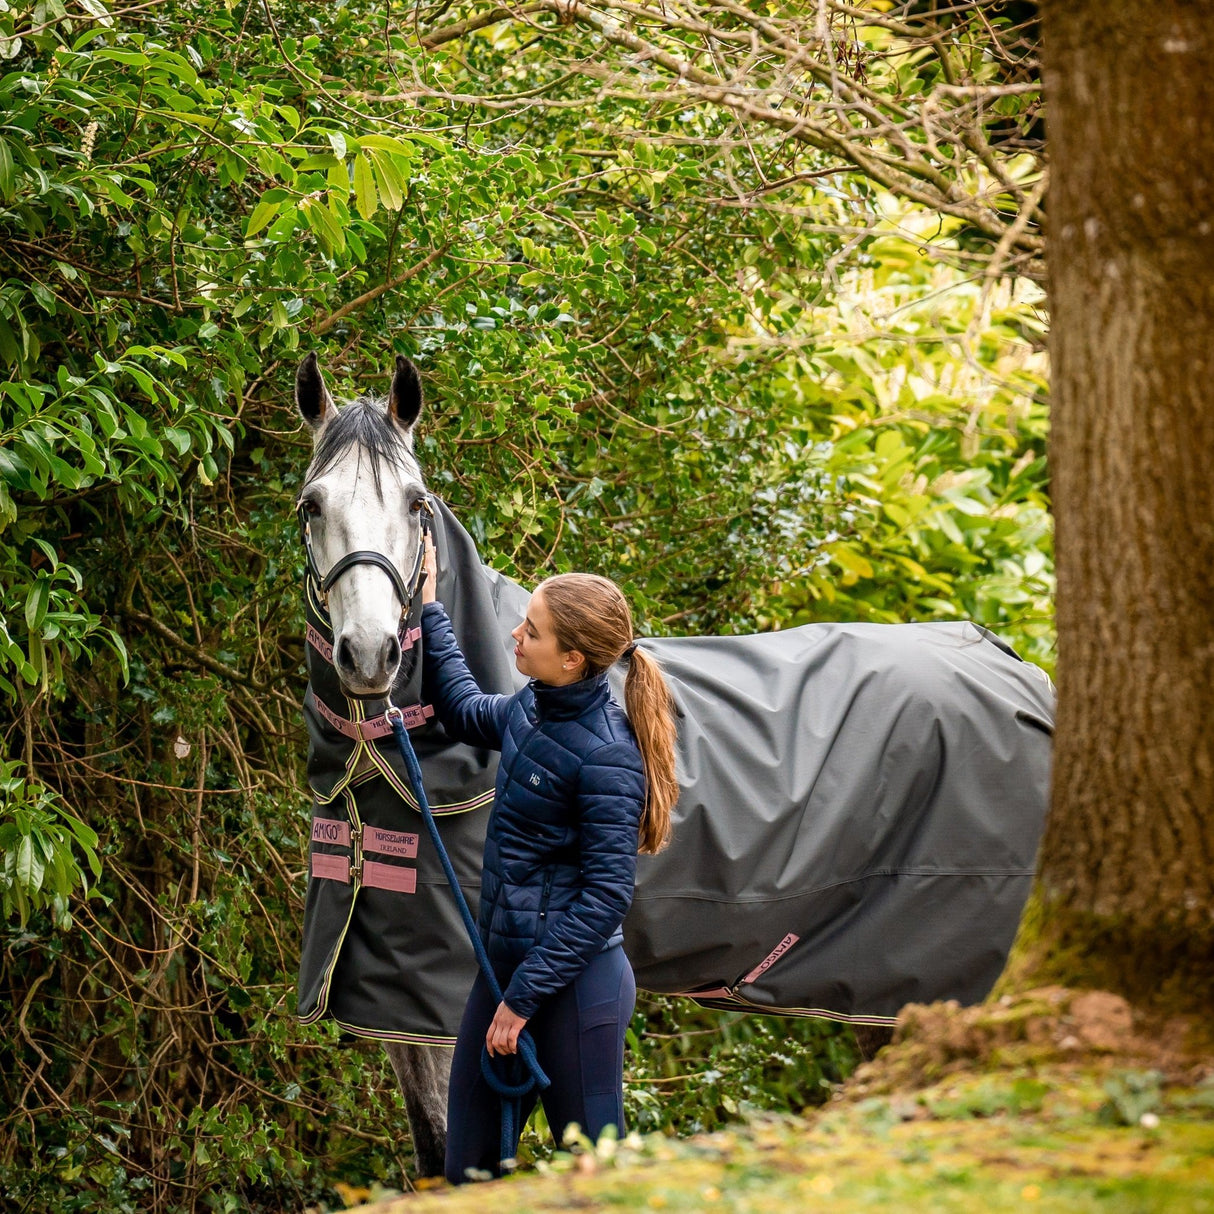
(1125, 896)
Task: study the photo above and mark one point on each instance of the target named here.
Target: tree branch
(367, 296)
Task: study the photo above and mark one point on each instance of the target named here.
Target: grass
(953, 1118)
(1039, 1142)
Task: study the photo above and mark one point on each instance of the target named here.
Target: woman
(581, 787)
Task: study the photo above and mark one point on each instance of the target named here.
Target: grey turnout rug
(860, 812)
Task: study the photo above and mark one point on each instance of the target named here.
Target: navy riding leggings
(579, 1040)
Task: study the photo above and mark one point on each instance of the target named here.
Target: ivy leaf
(36, 603)
(324, 225)
(267, 209)
(388, 178)
(364, 186)
(8, 176)
(31, 867)
(849, 560)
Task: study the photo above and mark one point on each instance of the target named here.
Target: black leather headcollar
(405, 591)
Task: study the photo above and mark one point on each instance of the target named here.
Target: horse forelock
(365, 426)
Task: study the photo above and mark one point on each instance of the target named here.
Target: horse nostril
(391, 654)
(344, 655)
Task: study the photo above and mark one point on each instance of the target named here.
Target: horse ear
(405, 395)
(311, 396)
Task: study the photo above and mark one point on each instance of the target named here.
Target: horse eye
(417, 505)
(311, 506)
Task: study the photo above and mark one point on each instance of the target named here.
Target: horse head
(361, 512)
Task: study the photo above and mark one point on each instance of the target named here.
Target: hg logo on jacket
(560, 849)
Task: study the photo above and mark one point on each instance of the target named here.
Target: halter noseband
(404, 591)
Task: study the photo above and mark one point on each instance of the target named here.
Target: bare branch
(933, 108)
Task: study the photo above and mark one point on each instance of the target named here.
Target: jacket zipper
(548, 872)
(522, 746)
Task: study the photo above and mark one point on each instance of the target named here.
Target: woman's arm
(610, 797)
(467, 713)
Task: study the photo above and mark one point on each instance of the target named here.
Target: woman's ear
(575, 659)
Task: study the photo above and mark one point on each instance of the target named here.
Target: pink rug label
(772, 957)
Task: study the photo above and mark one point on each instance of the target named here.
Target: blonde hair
(590, 614)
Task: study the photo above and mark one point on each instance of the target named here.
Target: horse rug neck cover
(384, 953)
(857, 827)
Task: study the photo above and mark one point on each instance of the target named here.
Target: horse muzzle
(366, 665)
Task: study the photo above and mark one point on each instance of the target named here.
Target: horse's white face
(364, 493)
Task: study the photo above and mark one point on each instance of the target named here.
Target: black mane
(364, 424)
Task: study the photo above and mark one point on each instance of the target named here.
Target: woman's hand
(430, 564)
(502, 1037)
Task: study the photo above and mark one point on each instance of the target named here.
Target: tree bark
(1125, 895)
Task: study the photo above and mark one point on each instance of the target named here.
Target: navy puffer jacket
(561, 845)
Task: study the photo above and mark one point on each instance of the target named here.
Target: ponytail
(651, 713)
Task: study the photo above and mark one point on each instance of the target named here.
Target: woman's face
(537, 652)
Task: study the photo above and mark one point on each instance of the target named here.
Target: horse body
(859, 812)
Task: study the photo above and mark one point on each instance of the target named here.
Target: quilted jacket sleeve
(610, 797)
(467, 713)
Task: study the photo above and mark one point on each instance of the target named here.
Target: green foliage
(1132, 1097)
(690, 1070)
(693, 1070)
(938, 104)
(43, 847)
(625, 372)
(991, 1097)
(921, 448)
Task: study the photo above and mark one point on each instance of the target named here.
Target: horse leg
(871, 1038)
(422, 1072)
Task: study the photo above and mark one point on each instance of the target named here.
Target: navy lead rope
(511, 1094)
